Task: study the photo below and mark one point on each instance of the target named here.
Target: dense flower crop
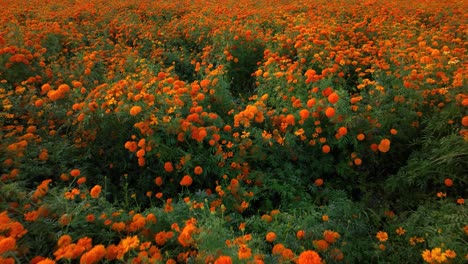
(233, 131)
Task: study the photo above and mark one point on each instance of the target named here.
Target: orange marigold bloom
(64, 240)
(336, 254)
(65, 219)
(90, 218)
(95, 191)
(321, 244)
(39, 103)
(44, 155)
(304, 114)
(126, 244)
(382, 236)
(135, 110)
(162, 237)
(300, 234)
(278, 249)
(42, 261)
(94, 255)
(360, 137)
(266, 218)
(318, 182)
(158, 181)
(168, 166)
(75, 172)
(270, 237)
(186, 181)
(223, 260)
(460, 201)
(131, 146)
(81, 180)
(384, 145)
(244, 252)
(330, 112)
(309, 257)
(111, 252)
(448, 182)
(287, 254)
(333, 98)
(330, 236)
(464, 121)
(325, 149)
(342, 131)
(198, 170)
(7, 244)
(118, 226)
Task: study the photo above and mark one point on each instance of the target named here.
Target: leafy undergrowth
(234, 132)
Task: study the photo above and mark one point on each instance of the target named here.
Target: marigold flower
(94, 255)
(277, 249)
(460, 201)
(342, 131)
(95, 191)
(135, 110)
(361, 137)
(321, 244)
(7, 244)
(333, 98)
(198, 170)
(309, 257)
(400, 231)
(384, 145)
(318, 182)
(90, 218)
(330, 236)
(304, 114)
(44, 261)
(300, 234)
(39, 103)
(336, 254)
(382, 236)
(450, 253)
(287, 254)
(168, 166)
(448, 182)
(223, 260)
(244, 252)
(81, 180)
(186, 181)
(158, 181)
(270, 237)
(75, 172)
(330, 112)
(64, 240)
(266, 218)
(162, 237)
(326, 149)
(126, 244)
(464, 121)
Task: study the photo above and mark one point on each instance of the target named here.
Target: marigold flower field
(233, 131)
